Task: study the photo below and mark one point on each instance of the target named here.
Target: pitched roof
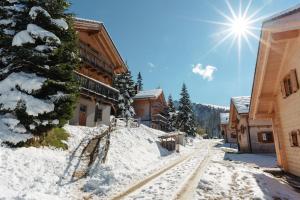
(242, 104)
(148, 94)
(283, 13)
(224, 118)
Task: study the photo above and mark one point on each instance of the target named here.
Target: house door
(82, 115)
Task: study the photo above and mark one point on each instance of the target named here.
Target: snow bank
(37, 173)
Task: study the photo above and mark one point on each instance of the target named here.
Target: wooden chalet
(275, 92)
(253, 136)
(228, 134)
(100, 61)
(150, 107)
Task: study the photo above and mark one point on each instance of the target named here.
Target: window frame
(294, 133)
(290, 84)
(269, 140)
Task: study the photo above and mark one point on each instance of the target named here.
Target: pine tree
(38, 53)
(140, 81)
(172, 115)
(186, 118)
(125, 84)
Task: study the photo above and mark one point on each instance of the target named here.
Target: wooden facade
(253, 136)
(275, 93)
(100, 61)
(150, 107)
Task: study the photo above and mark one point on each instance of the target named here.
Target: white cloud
(206, 73)
(150, 64)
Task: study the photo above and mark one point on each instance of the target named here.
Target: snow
(10, 96)
(46, 36)
(11, 130)
(9, 31)
(35, 32)
(88, 20)
(61, 23)
(43, 48)
(148, 94)
(241, 176)
(242, 104)
(217, 106)
(39, 173)
(134, 153)
(224, 118)
(35, 10)
(21, 38)
(7, 22)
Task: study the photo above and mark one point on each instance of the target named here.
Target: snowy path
(239, 177)
(167, 183)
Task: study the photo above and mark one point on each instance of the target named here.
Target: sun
(240, 26)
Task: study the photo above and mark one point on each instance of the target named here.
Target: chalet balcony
(93, 87)
(94, 59)
(158, 118)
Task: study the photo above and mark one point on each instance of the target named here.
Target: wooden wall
(288, 109)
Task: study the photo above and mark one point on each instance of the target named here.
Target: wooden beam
(263, 70)
(285, 35)
(263, 116)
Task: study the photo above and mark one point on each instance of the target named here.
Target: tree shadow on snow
(274, 189)
(261, 160)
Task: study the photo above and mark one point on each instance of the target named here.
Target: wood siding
(289, 110)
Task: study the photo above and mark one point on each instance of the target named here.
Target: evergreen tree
(38, 53)
(186, 118)
(125, 84)
(172, 115)
(140, 81)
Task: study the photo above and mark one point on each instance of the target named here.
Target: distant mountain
(208, 117)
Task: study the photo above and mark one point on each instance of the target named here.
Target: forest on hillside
(208, 117)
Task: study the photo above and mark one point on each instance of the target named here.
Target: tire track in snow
(165, 183)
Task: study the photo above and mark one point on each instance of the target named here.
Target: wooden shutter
(294, 81)
(283, 89)
(291, 140)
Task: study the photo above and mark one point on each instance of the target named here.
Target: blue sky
(166, 39)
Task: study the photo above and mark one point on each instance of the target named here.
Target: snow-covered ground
(241, 176)
(134, 154)
(41, 173)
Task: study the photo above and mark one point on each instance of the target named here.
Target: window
(265, 137)
(243, 128)
(83, 108)
(290, 84)
(98, 114)
(294, 140)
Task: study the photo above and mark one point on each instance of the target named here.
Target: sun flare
(240, 26)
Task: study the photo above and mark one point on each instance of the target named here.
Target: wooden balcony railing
(93, 86)
(159, 118)
(93, 58)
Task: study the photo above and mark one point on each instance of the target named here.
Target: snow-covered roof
(148, 94)
(224, 118)
(242, 104)
(88, 20)
(283, 13)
